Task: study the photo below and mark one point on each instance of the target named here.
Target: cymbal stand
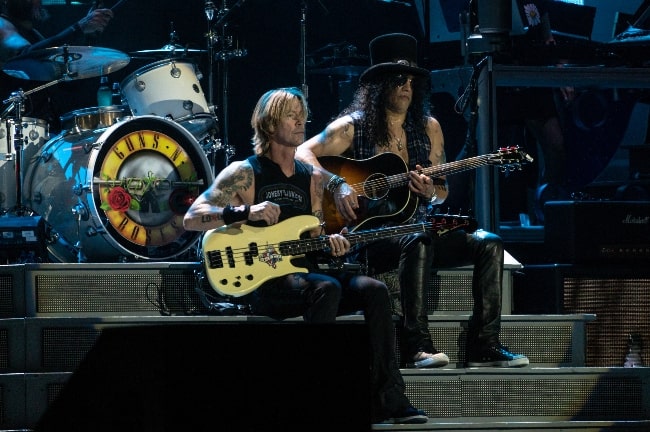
(212, 38)
(225, 55)
(16, 100)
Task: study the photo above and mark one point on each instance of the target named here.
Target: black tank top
(292, 194)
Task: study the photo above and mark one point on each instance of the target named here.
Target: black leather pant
(416, 255)
(485, 251)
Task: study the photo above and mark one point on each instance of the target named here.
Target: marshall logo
(638, 220)
(570, 226)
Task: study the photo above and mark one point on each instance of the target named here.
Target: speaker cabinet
(580, 232)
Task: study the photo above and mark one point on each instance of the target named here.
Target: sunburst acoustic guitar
(381, 184)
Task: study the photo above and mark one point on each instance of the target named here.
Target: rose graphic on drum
(120, 193)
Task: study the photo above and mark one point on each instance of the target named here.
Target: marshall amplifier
(597, 231)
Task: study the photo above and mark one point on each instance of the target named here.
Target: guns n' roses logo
(147, 182)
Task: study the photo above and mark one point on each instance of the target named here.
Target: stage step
(527, 398)
(558, 394)
(52, 314)
(58, 344)
(53, 289)
(525, 424)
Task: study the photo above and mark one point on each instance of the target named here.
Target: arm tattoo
(209, 218)
(241, 180)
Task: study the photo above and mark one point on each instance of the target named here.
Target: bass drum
(119, 194)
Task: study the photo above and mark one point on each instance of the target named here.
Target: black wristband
(231, 214)
(76, 27)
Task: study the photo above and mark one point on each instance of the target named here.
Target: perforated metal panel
(64, 348)
(12, 401)
(621, 302)
(450, 291)
(12, 294)
(611, 395)
(41, 391)
(100, 290)
(447, 291)
(544, 343)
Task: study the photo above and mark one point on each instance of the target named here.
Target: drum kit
(115, 183)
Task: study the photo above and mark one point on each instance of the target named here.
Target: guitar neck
(457, 166)
(504, 157)
(302, 246)
(402, 179)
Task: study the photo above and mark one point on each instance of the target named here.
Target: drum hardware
(17, 99)
(54, 65)
(81, 213)
(225, 54)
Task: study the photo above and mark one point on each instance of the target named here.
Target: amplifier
(21, 233)
(597, 231)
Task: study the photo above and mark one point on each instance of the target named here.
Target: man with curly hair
(390, 113)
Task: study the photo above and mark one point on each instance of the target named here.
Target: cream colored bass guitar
(240, 258)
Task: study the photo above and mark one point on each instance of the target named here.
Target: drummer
(19, 35)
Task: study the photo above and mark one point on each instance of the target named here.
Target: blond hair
(267, 114)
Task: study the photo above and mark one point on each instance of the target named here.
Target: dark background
(337, 33)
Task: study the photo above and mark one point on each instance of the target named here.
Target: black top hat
(395, 53)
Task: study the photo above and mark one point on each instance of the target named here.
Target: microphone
(209, 10)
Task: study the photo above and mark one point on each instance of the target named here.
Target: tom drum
(93, 118)
(166, 88)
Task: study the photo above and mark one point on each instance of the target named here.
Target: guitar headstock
(509, 158)
(445, 223)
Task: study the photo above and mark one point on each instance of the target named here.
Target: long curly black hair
(372, 97)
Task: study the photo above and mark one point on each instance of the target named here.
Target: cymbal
(169, 50)
(66, 62)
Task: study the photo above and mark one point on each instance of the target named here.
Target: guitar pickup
(253, 251)
(214, 259)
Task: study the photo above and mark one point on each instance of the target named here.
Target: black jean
(416, 255)
(320, 298)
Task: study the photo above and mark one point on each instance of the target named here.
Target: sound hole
(376, 186)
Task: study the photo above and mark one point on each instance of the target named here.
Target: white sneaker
(426, 360)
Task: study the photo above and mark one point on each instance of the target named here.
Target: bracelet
(76, 27)
(232, 214)
(334, 182)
